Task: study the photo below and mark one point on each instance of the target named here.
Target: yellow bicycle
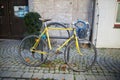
(79, 54)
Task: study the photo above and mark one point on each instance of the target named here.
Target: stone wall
(65, 11)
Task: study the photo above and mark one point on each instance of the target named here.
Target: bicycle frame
(45, 31)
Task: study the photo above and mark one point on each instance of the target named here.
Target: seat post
(45, 24)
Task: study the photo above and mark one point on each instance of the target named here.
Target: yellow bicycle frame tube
(49, 28)
(48, 38)
(49, 43)
(77, 43)
(38, 40)
(74, 36)
(65, 43)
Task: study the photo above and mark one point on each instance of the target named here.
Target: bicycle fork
(77, 43)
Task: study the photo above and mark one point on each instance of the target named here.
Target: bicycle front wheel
(77, 62)
(32, 58)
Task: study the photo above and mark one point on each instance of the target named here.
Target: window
(20, 11)
(117, 22)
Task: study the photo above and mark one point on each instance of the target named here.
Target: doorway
(12, 14)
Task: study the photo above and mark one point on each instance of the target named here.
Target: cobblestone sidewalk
(107, 66)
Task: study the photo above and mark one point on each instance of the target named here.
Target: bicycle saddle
(44, 20)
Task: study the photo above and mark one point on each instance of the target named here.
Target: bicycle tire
(29, 58)
(75, 61)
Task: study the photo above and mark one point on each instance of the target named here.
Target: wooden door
(12, 18)
(4, 19)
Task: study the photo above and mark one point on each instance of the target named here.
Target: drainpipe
(93, 16)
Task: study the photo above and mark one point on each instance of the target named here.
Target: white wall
(107, 35)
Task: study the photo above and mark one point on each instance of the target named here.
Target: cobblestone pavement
(107, 66)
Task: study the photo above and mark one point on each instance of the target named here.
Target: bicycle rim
(28, 57)
(77, 62)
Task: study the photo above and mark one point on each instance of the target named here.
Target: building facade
(105, 23)
(65, 11)
(106, 32)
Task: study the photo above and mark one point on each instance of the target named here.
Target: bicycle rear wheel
(77, 62)
(32, 58)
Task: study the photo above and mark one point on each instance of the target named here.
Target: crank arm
(40, 52)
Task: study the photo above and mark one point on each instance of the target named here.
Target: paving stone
(118, 77)
(45, 70)
(63, 76)
(38, 68)
(57, 71)
(30, 70)
(6, 74)
(41, 71)
(4, 69)
(22, 67)
(100, 77)
(21, 79)
(111, 77)
(90, 77)
(89, 73)
(62, 72)
(82, 73)
(26, 70)
(38, 75)
(106, 68)
(27, 75)
(17, 74)
(80, 77)
(27, 67)
(36, 71)
(8, 79)
(12, 69)
(52, 71)
(69, 77)
(48, 75)
(20, 70)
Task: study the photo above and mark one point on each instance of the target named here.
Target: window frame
(117, 24)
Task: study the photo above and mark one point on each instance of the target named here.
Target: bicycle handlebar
(85, 24)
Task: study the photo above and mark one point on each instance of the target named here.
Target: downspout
(93, 18)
